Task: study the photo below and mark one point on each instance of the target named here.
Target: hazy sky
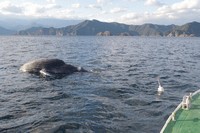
(124, 11)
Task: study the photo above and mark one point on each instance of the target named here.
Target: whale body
(49, 67)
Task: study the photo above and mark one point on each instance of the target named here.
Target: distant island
(98, 28)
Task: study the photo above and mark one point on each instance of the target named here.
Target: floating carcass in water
(50, 67)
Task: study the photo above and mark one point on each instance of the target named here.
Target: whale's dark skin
(50, 67)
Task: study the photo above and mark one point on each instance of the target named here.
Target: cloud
(180, 9)
(32, 9)
(51, 1)
(130, 16)
(153, 2)
(95, 6)
(177, 13)
(62, 14)
(8, 8)
(28, 9)
(118, 10)
(76, 5)
(47, 8)
(106, 10)
(183, 5)
(13, 9)
(102, 1)
(186, 4)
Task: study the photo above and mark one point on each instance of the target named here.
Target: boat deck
(186, 121)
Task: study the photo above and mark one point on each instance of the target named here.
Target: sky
(122, 11)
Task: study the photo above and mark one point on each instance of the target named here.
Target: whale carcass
(49, 67)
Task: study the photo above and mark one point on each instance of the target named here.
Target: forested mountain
(95, 27)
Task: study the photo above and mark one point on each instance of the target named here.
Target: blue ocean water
(118, 96)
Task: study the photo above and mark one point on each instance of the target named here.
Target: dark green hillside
(95, 27)
(38, 31)
(189, 29)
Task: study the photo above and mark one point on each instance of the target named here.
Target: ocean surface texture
(119, 95)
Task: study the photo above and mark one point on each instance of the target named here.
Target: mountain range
(4, 31)
(17, 24)
(98, 28)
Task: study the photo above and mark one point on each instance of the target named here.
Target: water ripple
(119, 94)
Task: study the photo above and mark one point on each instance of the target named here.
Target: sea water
(118, 95)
